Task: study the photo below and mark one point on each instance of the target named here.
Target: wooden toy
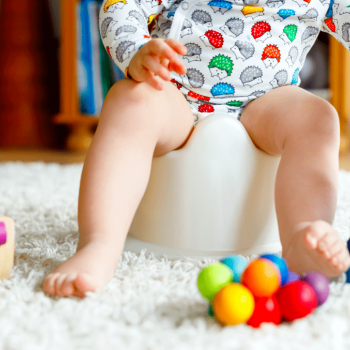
(7, 246)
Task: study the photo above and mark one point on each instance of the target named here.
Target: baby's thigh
(283, 112)
(166, 114)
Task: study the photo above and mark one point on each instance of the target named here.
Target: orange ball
(262, 278)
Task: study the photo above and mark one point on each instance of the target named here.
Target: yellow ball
(233, 304)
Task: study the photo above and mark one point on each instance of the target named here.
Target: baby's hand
(155, 59)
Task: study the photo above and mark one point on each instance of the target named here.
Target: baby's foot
(316, 246)
(90, 269)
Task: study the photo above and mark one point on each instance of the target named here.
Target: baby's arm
(336, 22)
(124, 27)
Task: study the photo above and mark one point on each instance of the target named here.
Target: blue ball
(237, 264)
(281, 264)
(292, 277)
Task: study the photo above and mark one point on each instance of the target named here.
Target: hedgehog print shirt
(236, 51)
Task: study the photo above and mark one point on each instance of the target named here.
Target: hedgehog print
(279, 79)
(213, 39)
(251, 76)
(220, 66)
(124, 49)
(107, 26)
(252, 11)
(222, 90)
(123, 31)
(154, 3)
(331, 25)
(275, 3)
(186, 28)
(111, 5)
(302, 2)
(261, 31)
(289, 33)
(137, 18)
(193, 52)
(193, 77)
(243, 50)
(292, 56)
(271, 56)
(310, 34)
(202, 17)
(310, 16)
(282, 14)
(165, 27)
(220, 6)
(295, 77)
(233, 27)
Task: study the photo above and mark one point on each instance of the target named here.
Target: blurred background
(44, 63)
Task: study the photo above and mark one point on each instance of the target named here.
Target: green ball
(212, 278)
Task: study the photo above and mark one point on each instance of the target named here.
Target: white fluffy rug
(150, 303)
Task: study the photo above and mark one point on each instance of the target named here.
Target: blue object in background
(281, 264)
(347, 273)
(237, 264)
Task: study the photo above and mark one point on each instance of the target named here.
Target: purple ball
(292, 276)
(320, 285)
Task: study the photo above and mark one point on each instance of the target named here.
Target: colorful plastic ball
(237, 264)
(320, 285)
(212, 278)
(262, 278)
(281, 265)
(266, 310)
(233, 304)
(292, 277)
(296, 300)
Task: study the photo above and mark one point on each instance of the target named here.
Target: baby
(203, 57)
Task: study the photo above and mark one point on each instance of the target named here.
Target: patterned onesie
(235, 52)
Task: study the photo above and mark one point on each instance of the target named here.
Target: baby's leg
(136, 123)
(303, 129)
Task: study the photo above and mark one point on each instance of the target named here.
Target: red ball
(296, 300)
(266, 309)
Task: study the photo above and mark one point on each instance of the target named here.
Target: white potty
(211, 198)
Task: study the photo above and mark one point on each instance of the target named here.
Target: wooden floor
(62, 157)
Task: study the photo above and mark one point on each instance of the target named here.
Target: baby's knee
(320, 121)
(129, 91)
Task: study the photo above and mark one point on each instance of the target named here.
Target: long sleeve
(124, 27)
(337, 21)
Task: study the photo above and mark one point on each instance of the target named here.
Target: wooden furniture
(82, 125)
(28, 70)
(339, 85)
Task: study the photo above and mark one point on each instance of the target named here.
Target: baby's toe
(67, 287)
(82, 284)
(314, 233)
(341, 260)
(334, 249)
(58, 283)
(326, 242)
(49, 283)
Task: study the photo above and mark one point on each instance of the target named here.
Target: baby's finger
(152, 65)
(153, 80)
(176, 46)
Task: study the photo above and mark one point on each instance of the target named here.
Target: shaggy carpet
(151, 303)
